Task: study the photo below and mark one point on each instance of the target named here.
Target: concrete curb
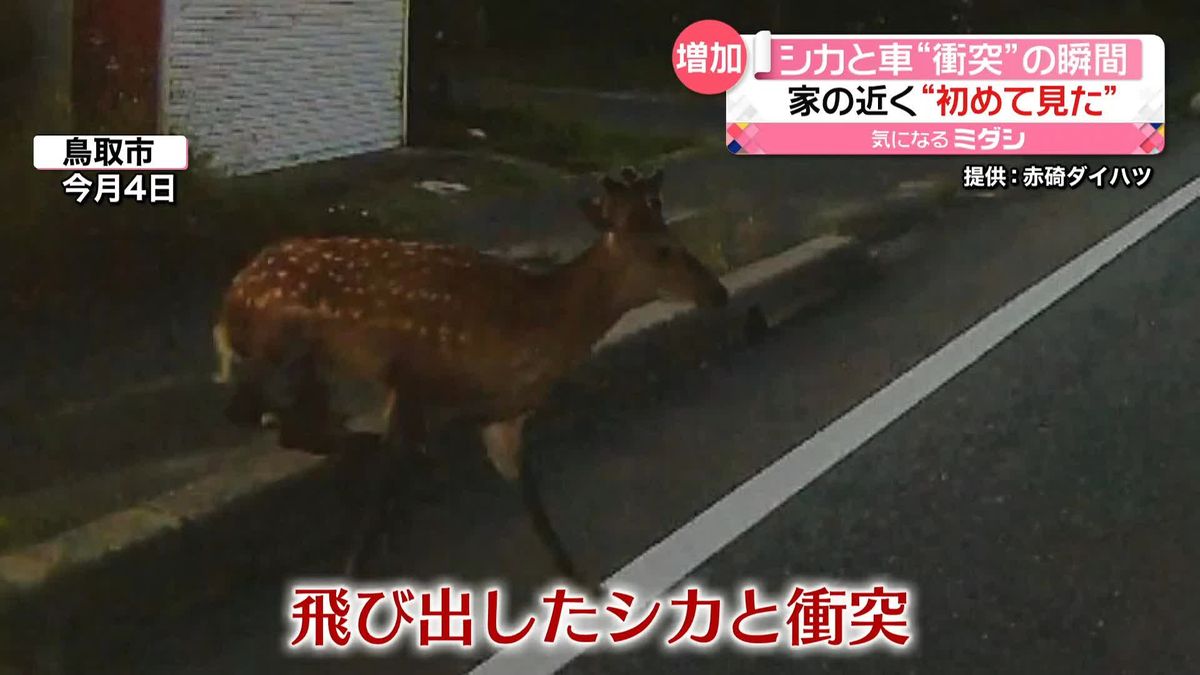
(225, 528)
(897, 212)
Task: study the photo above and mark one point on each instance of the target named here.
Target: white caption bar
(110, 153)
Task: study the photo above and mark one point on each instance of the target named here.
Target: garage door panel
(262, 84)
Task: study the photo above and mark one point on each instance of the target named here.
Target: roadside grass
(554, 137)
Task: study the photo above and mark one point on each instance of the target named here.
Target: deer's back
(455, 322)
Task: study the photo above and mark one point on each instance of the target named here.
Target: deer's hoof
(312, 438)
(244, 410)
(352, 567)
(293, 440)
(590, 586)
(359, 562)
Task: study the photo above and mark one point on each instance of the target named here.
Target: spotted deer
(451, 333)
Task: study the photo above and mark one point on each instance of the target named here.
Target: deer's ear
(610, 184)
(654, 182)
(591, 211)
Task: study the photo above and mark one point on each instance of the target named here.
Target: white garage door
(263, 84)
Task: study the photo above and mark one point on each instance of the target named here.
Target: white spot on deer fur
(282, 274)
(327, 255)
(278, 293)
(356, 313)
(463, 337)
(302, 285)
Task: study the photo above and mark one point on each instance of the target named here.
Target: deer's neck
(588, 296)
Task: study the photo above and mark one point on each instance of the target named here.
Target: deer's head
(653, 262)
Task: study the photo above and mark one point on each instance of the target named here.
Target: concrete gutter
(285, 506)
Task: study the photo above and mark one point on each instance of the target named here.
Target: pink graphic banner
(774, 138)
(954, 58)
(947, 95)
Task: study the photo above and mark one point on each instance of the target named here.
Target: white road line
(666, 563)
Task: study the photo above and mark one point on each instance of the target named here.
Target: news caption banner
(995, 95)
(809, 616)
(114, 169)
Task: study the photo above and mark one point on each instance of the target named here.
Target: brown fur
(464, 329)
(451, 332)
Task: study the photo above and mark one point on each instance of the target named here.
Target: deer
(452, 334)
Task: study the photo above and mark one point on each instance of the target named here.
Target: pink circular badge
(709, 57)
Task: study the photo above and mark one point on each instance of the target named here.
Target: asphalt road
(1041, 505)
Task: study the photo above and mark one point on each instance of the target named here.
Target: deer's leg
(504, 449)
(247, 404)
(305, 424)
(401, 442)
(249, 401)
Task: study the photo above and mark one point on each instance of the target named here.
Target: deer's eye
(663, 253)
